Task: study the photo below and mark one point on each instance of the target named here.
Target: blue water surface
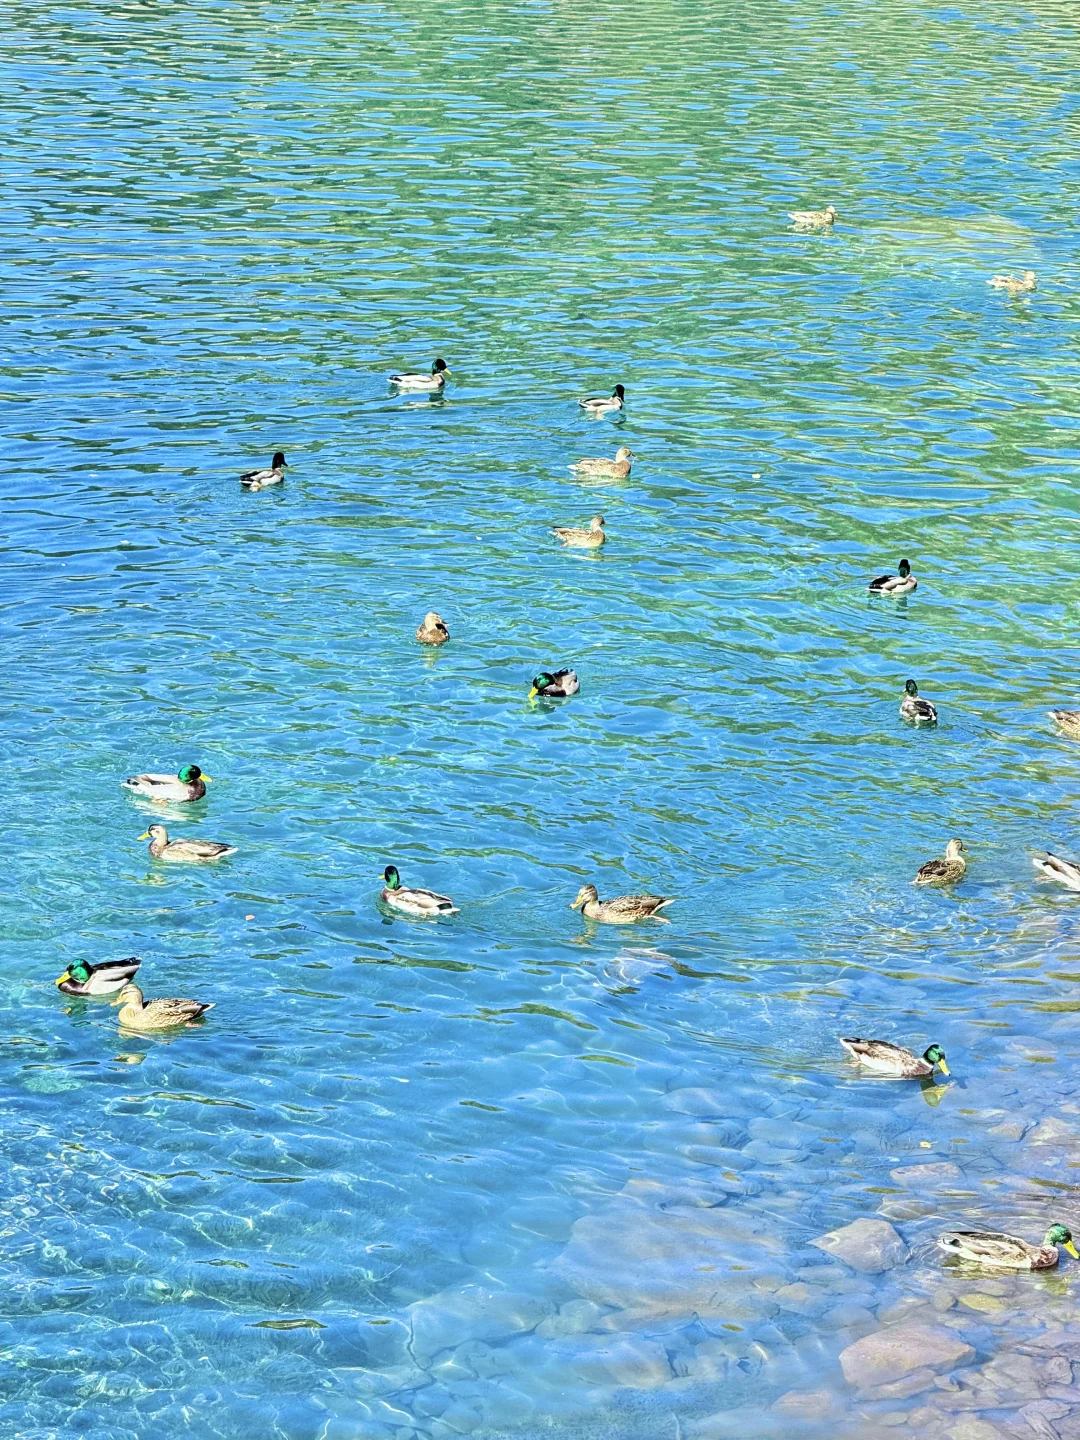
(512, 1173)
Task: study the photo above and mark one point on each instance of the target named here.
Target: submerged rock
(868, 1246)
(806, 1404)
(667, 1250)
(1053, 1131)
(971, 1428)
(899, 1350)
(926, 1174)
(473, 1312)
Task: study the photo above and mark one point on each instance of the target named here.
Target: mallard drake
(814, 219)
(1065, 872)
(435, 381)
(944, 872)
(433, 629)
(616, 469)
(1008, 1252)
(162, 848)
(260, 479)
(1015, 284)
(189, 783)
(623, 910)
(583, 539)
(553, 684)
(140, 1014)
(901, 584)
(604, 404)
(1068, 721)
(82, 978)
(914, 708)
(888, 1059)
(411, 901)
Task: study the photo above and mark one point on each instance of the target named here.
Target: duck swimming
(555, 684)
(1008, 1252)
(413, 901)
(814, 219)
(162, 848)
(1015, 284)
(623, 909)
(583, 539)
(901, 584)
(1068, 722)
(944, 872)
(914, 708)
(260, 479)
(1065, 872)
(188, 784)
(140, 1014)
(435, 381)
(885, 1058)
(432, 630)
(604, 404)
(82, 978)
(616, 469)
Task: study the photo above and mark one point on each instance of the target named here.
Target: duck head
(935, 1055)
(1062, 1235)
(79, 972)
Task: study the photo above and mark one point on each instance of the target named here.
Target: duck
(814, 219)
(82, 978)
(1009, 1252)
(616, 469)
(623, 909)
(189, 783)
(901, 584)
(1015, 284)
(1068, 722)
(1065, 872)
(433, 629)
(914, 708)
(555, 684)
(944, 872)
(140, 1014)
(888, 1059)
(588, 539)
(162, 848)
(435, 381)
(604, 404)
(412, 901)
(260, 479)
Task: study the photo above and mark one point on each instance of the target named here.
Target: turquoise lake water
(513, 1174)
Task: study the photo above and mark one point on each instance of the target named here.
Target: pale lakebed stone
(899, 1350)
(869, 1246)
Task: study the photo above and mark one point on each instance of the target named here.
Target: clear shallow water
(516, 1174)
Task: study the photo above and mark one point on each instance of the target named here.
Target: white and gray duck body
(273, 475)
(604, 404)
(418, 382)
(188, 784)
(902, 584)
(82, 978)
(411, 899)
(914, 708)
